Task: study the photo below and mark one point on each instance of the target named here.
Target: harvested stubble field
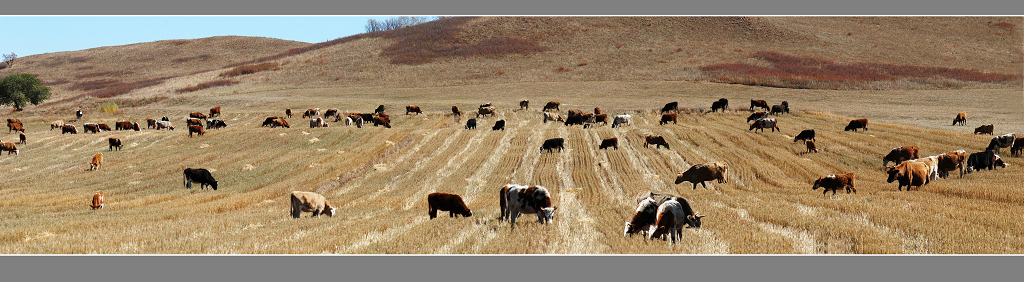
(379, 178)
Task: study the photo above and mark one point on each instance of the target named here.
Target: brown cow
(69, 128)
(97, 161)
(610, 142)
(13, 120)
(456, 111)
(552, 117)
(552, 105)
(857, 123)
(984, 129)
(811, 147)
(198, 129)
(9, 147)
(451, 203)
(92, 127)
(909, 173)
(150, 123)
(699, 173)
(1018, 146)
(193, 121)
(900, 154)
(778, 109)
(215, 111)
(952, 161)
(658, 141)
(381, 121)
(97, 200)
(574, 112)
(288, 112)
(485, 111)
(835, 182)
(21, 138)
(57, 124)
(114, 143)
(665, 118)
(269, 121)
(123, 125)
(16, 127)
(597, 110)
(601, 118)
(763, 123)
(759, 104)
(413, 109)
(197, 115)
(314, 112)
(524, 105)
(960, 118)
(332, 113)
(104, 127)
(310, 202)
(280, 123)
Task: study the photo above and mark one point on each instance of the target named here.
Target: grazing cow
(317, 122)
(69, 128)
(574, 112)
(195, 129)
(9, 147)
(757, 116)
(456, 111)
(485, 111)
(382, 121)
(759, 104)
(314, 112)
(984, 129)
(358, 121)
(104, 127)
(136, 127)
(665, 118)
(519, 199)
(365, 117)
(960, 118)
(524, 105)
(150, 123)
(57, 124)
(811, 147)
(288, 112)
(671, 107)
(857, 123)
(92, 127)
(215, 124)
(656, 140)
(193, 121)
(932, 163)
(909, 173)
(1001, 141)
(97, 161)
(1018, 146)
(778, 109)
(761, 124)
(380, 109)
(622, 119)
(197, 115)
(21, 139)
(97, 200)
(699, 173)
(646, 214)
(807, 134)
(785, 106)
(721, 104)
(552, 105)
(553, 143)
(900, 154)
(280, 123)
(451, 203)
(672, 215)
(610, 142)
(114, 143)
(215, 111)
(13, 121)
(16, 127)
(201, 176)
(79, 114)
(952, 161)
(601, 118)
(575, 119)
(348, 121)
(835, 182)
(984, 160)
(303, 201)
(488, 105)
(413, 109)
(552, 117)
(331, 113)
(269, 121)
(471, 123)
(499, 125)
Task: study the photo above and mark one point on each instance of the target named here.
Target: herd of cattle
(656, 215)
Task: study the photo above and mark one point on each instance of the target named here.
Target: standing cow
(499, 125)
(835, 182)
(671, 107)
(519, 199)
(413, 109)
(758, 104)
(97, 200)
(763, 123)
(961, 119)
(984, 129)
(97, 161)
(524, 105)
(553, 143)
(857, 123)
(665, 118)
(699, 173)
(114, 143)
(215, 111)
(622, 120)
(310, 202)
(656, 140)
(721, 104)
(451, 203)
(552, 106)
(900, 154)
(672, 215)
(807, 134)
(609, 142)
(471, 123)
(908, 173)
(201, 176)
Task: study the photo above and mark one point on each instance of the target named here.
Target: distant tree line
(396, 23)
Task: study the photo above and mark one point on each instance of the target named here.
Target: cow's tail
(503, 202)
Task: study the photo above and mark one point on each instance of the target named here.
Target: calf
(1001, 141)
(552, 106)
(499, 125)
(97, 200)
(310, 202)
(984, 160)
(857, 123)
(622, 119)
(114, 143)
(413, 109)
(201, 176)
(908, 173)
(9, 147)
(759, 104)
(471, 123)
(672, 215)
(665, 118)
(960, 118)
(699, 173)
(197, 115)
(984, 129)
(761, 124)
(757, 116)
(451, 203)
(671, 107)
(215, 111)
(777, 109)
(519, 199)
(657, 141)
(811, 147)
(97, 161)
(900, 154)
(195, 129)
(69, 128)
(807, 134)
(524, 105)
(835, 182)
(551, 144)
(610, 142)
(56, 124)
(721, 104)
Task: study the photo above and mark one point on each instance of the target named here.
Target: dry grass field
(379, 178)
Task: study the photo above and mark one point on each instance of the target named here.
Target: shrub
(108, 107)
(248, 69)
(205, 85)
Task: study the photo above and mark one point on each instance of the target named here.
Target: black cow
(721, 104)
(807, 134)
(984, 160)
(575, 119)
(201, 176)
(114, 143)
(499, 125)
(785, 106)
(215, 124)
(471, 123)
(610, 142)
(757, 116)
(552, 144)
(380, 109)
(671, 107)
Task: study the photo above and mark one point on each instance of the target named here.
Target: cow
(519, 199)
(575, 119)
(303, 201)
(280, 123)
(193, 121)
(672, 216)
(488, 105)
(778, 109)
(961, 118)
(381, 121)
(348, 121)
(91, 127)
(13, 121)
(699, 173)
(552, 105)
(97, 161)
(201, 176)
(761, 124)
(288, 112)
(314, 112)
(900, 154)
(811, 147)
(656, 140)
(671, 107)
(365, 117)
(757, 116)
(97, 200)
(22, 139)
(984, 160)
(524, 105)
(215, 111)
(601, 118)
(413, 109)
(952, 161)
(857, 123)
(499, 125)
(574, 112)
(56, 124)
(759, 104)
(1001, 141)
(646, 214)
(358, 121)
(553, 143)
(269, 121)
(485, 111)
(69, 128)
(215, 124)
(197, 115)
(9, 147)
(16, 127)
(932, 162)
(114, 143)
(471, 123)
(597, 110)
(195, 129)
(665, 118)
(785, 106)
(136, 127)
(165, 119)
(721, 104)
(609, 142)
(451, 203)
(622, 119)
(104, 127)
(807, 134)
(984, 129)
(317, 122)
(1018, 146)
(909, 173)
(455, 111)
(150, 123)
(380, 109)
(552, 117)
(835, 182)
(79, 114)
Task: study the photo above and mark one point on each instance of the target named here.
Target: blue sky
(30, 35)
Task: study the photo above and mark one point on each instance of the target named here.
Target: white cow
(519, 199)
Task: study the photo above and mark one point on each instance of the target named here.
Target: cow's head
(999, 162)
(548, 214)
(328, 210)
(894, 172)
(817, 184)
(214, 185)
(694, 220)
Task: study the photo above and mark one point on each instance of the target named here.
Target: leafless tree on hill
(395, 23)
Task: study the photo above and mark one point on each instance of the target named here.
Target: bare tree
(9, 59)
(395, 23)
